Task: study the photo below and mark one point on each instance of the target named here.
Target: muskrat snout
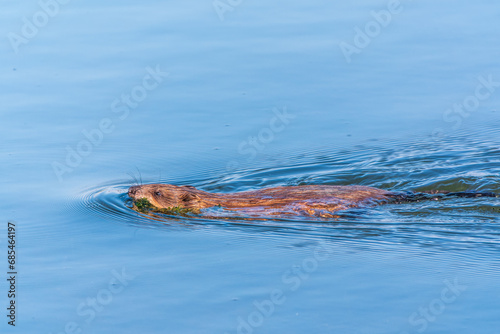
(132, 191)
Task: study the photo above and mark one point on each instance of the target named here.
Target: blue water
(96, 97)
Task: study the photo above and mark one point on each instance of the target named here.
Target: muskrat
(309, 200)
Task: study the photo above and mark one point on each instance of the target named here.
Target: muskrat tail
(468, 194)
(435, 195)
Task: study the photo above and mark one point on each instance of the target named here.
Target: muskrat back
(317, 200)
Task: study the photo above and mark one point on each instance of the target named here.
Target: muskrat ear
(188, 197)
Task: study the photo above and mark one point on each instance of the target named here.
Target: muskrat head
(168, 196)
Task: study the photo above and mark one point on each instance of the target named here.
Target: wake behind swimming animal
(307, 200)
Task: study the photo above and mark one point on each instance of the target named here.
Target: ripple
(453, 164)
(110, 201)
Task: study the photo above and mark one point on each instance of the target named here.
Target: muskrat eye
(157, 193)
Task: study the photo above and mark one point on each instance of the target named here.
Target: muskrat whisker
(134, 180)
(140, 175)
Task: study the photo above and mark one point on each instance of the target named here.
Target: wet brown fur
(312, 200)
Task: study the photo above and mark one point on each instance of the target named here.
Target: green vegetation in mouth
(144, 206)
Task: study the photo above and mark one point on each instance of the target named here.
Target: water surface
(107, 94)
